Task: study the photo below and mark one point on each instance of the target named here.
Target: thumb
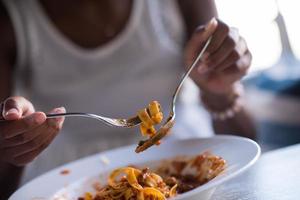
(204, 32)
(198, 39)
(57, 122)
(16, 107)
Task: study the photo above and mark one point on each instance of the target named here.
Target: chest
(88, 24)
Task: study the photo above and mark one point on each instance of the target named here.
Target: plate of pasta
(179, 169)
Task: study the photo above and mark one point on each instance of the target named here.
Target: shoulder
(7, 36)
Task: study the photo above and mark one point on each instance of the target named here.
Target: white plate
(240, 154)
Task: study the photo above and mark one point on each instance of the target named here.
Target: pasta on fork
(150, 116)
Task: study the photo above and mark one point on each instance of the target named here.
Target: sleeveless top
(142, 63)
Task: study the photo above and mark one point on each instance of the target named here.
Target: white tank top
(143, 63)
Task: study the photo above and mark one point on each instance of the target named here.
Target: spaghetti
(173, 178)
(150, 116)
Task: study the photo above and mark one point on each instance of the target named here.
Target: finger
(202, 33)
(27, 136)
(16, 107)
(56, 121)
(228, 45)
(218, 38)
(11, 129)
(30, 140)
(242, 64)
(31, 145)
(28, 157)
(53, 124)
(43, 133)
(238, 52)
(236, 71)
(20, 139)
(197, 41)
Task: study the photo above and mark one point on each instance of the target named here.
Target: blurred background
(272, 31)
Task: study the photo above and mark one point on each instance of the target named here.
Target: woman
(101, 56)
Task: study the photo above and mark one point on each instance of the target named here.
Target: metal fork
(126, 123)
(165, 128)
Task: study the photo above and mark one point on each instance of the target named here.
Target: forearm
(10, 177)
(239, 123)
(195, 14)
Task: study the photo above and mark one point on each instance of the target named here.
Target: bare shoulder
(7, 36)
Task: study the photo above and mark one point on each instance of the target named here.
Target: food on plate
(173, 177)
(65, 172)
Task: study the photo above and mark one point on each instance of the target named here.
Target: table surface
(276, 175)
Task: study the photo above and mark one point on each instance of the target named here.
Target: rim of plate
(215, 182)
(209, 185)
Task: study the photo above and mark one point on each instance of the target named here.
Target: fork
(126, 123)
(165, 128)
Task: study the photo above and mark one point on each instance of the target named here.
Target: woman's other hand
(225, 62)
(25, 133)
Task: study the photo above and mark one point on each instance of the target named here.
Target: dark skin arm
(222, 71)
(26, 133)
(10, 175)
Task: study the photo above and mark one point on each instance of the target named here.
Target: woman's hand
(26, 133)
(225, 62)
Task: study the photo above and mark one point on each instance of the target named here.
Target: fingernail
(200, 29)
(61, 109)
(12, 111)
(59, 120)
(40, 118)
(58, 110)
(211, 24)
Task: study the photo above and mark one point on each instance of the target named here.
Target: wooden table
(276, 176)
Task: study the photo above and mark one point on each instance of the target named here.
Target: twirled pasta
(171, 179)
(135, 184)
(150, 116)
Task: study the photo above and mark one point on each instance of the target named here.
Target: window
(291, 14)
(255, 21)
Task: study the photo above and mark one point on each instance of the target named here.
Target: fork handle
(71, 114)
(49, 116)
